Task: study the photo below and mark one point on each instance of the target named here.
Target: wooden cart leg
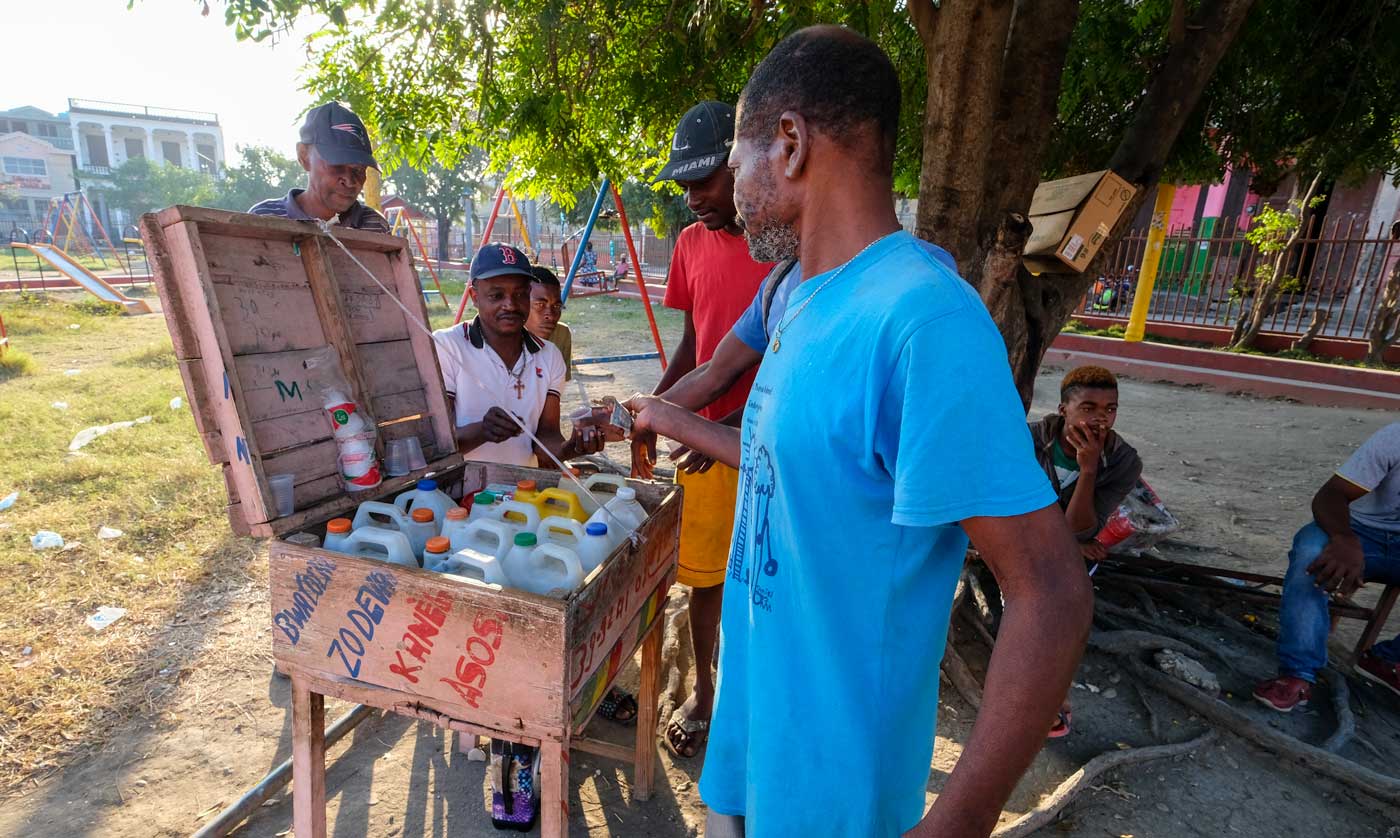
(644, 760)
(308, 761)
(1378, 617)
(554, 789)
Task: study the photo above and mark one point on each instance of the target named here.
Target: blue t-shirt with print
(754, 332)
(888, 416)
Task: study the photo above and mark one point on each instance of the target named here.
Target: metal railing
(1337, 266)
(100, 171)
(142, 111)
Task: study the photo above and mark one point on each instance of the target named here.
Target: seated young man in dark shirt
(1090, 467)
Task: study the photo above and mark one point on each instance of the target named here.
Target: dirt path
(1238, 472)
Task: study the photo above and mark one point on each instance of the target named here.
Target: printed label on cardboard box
(1076, 242)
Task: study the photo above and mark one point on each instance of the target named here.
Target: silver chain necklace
(782, 327)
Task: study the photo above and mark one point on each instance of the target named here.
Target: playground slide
(95, 285)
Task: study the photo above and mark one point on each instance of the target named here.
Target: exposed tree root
(1077, 782)
(1346, 720)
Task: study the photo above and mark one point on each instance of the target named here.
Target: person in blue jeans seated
(1354, 538)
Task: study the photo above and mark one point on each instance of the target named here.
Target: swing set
(66, 226)
(604, 189)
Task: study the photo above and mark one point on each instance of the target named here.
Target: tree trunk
(1319, 321)
(965, 46)
(1172, 93)
(444, 232)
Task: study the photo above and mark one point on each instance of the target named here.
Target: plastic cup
(396, 458)
(415, 454)
(282, 493)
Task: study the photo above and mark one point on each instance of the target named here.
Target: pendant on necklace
(777, 342)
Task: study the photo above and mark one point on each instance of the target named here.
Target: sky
(161, 53)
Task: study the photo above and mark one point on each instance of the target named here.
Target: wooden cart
(247, 299)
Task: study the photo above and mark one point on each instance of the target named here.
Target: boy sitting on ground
(546, 307)
(1090, 467)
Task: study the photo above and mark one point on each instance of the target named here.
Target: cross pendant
(777, 342)
(519, 389)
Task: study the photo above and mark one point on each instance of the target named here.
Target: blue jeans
(1303, 620)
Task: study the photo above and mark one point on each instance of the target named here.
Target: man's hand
(646, 411)
(1088, 446)
(499, 426)
(643, 453)
(585, 440)
(691, 462)
(1093, 551)
(1340, 567)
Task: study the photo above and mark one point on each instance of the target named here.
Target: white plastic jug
(557, 529)
(337, 531)
(385, 545)
(595, 546)
(616, 481)
(426, 494)
(476, 567)
(436, 553)
(489, 538)
(457, 521)
(622, 514)
(385, 516)
(422, 527)
(546, 569)
(519, 516)
(485, 506)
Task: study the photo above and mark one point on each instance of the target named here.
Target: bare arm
(495, 426)
(1081, 515)
(712, 379)
(1342, 563)
(712, 439)
(548, 433)
(1049, 605)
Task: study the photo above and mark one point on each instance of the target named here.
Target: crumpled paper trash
(9, 500)
(87, 435)
(104, 617)
(109, 533)
(46, 540)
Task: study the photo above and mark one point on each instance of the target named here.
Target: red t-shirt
(714, 278)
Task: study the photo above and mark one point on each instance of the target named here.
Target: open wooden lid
(248, 299)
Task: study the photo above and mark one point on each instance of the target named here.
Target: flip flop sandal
(1061, 728)
(694, 731)
(618, 703)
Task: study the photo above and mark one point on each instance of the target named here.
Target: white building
(107, 134)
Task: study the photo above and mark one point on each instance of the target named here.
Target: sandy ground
(1237, 471)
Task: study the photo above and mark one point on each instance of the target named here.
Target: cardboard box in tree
(247, 299)
(1072, 219)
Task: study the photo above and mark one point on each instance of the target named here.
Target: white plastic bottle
(546, 569)
(558, 529)
(476, 567)
(595, 546)
(337, 531)
(457, 520)
(385, 545)
(420, 528)
(485, 506)
(487, 538)
(436, 553)
(593, 484)
(622, 514)
(519, 516)
(426, 495)
(384, 516)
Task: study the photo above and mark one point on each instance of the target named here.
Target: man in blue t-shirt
(882, 432)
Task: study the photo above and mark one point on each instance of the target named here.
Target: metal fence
(1207, 279)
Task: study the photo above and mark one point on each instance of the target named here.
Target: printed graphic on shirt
(752, 533)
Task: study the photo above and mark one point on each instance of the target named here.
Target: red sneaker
(1283, 693)
(1385, 673)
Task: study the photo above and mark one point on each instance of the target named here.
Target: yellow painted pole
(1151, 259)
(520, 222)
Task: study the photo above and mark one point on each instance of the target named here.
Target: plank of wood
(168, 287)
(187, 259)
(227, 223)
(554, 789)
(264, 294)
(278, 384)
(648, 701)
(606, 750)
(498, 652)
(326, 293)
(308, 760)
(370, 310)
(390, 368)
(424, 351)
(201, 405)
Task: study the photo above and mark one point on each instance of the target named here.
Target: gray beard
(772, 242)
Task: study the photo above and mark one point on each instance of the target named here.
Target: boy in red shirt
(712, 279)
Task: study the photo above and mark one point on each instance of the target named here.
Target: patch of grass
(152, 481)
(14, 363)
(97, 308)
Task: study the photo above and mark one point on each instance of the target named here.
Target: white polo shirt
(477, 380)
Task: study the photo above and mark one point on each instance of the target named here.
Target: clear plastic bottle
(436, 553)
(337, 533)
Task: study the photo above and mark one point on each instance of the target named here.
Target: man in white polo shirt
(493, 368)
